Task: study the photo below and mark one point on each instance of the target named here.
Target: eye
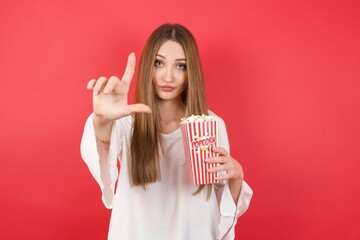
(158, 63)
(182, 66)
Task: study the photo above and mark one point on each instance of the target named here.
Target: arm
(233, 193)
(102, 128)
(102, 158)
(227, 164)
(102, 136)
(230, 211)
(235, 182)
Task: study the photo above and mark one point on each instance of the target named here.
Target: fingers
(99, 85)
(221, 151)
(218, 168)
(224, 165)
(111, 84)
(137, 108)
(220, 159)
(223, 172)
(107, 85)
(130, 68)
(90, 85)
(226, 176)
(227, 167)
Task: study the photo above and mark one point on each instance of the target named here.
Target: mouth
(167, 88)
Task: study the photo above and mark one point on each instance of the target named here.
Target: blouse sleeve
(101, 158)
(229, 211)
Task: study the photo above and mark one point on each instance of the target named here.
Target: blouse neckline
(173, 133)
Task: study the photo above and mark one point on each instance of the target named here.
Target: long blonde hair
(146, 138)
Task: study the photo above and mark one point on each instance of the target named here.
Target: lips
(167, 88)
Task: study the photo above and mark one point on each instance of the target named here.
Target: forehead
(171, 50)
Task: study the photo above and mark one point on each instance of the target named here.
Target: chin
(168, 97)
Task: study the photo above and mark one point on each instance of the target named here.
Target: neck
(171, 110)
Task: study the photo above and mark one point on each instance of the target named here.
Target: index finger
(220, 151)
(130, 68)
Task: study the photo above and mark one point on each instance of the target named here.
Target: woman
(153, 200)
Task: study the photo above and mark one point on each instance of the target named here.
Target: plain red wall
(283, 74)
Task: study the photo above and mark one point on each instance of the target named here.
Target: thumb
(139, 107)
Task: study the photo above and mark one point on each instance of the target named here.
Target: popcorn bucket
(199, 138)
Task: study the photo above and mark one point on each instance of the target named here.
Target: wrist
(101, 121)
(239, 171)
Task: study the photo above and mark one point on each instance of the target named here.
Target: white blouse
(167, 209)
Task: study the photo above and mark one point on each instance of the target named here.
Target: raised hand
(110, 96)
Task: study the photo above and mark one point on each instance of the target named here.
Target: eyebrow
(179, 59)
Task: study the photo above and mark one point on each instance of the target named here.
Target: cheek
(183, 79)
(183, 83)
(155, 76)
(180, 76)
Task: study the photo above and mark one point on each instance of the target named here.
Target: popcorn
(198, 118)
(200, 136)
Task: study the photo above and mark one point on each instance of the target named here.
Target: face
(169, 75)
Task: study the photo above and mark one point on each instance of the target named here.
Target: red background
(283, 74)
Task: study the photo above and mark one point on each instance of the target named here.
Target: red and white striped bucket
(199, 138)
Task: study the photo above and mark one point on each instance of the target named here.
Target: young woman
(153, 200)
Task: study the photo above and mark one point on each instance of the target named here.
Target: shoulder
(223, 138)
(211, 113)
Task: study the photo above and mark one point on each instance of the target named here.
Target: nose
(169, 75)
